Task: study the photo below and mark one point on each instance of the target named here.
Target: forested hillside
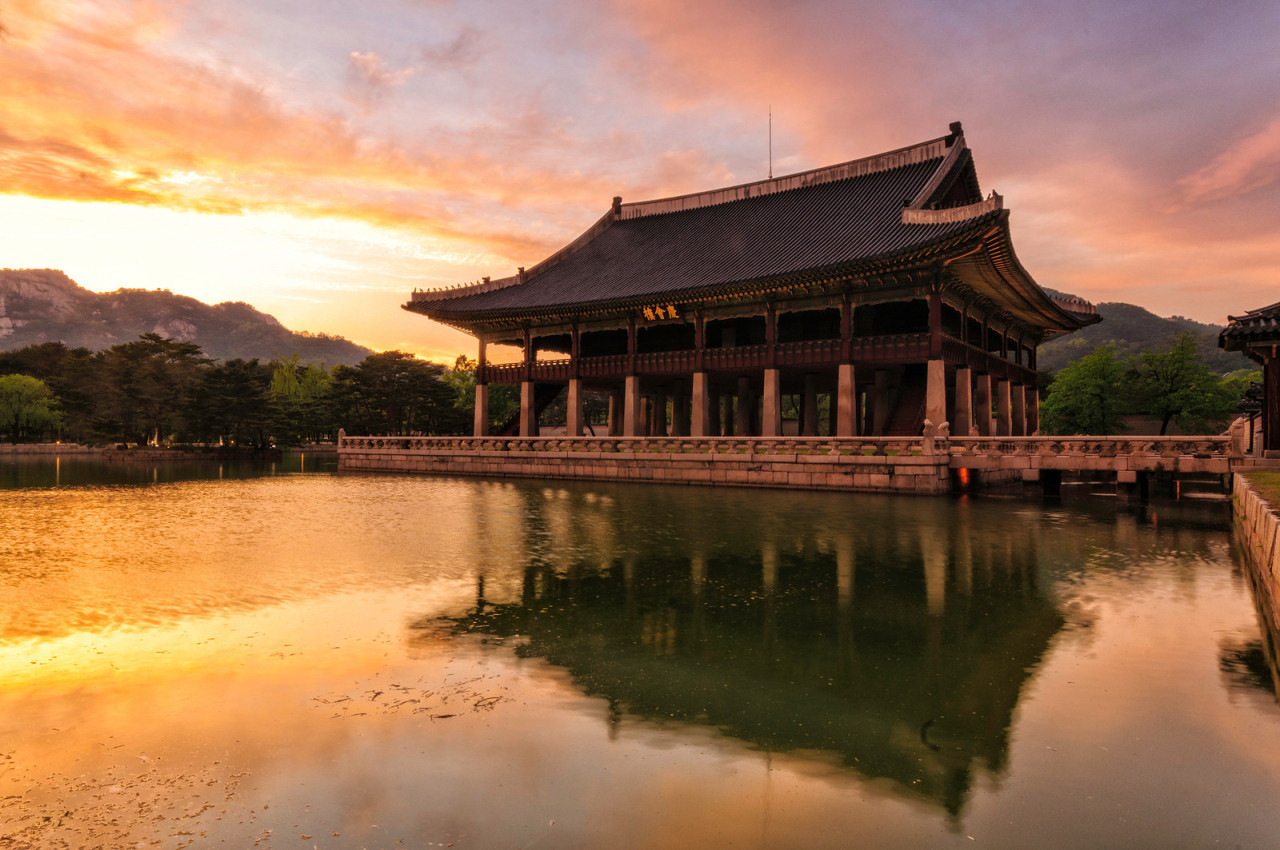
(44, 305)
(1132, 329)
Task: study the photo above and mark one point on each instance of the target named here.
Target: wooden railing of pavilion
(881, 350)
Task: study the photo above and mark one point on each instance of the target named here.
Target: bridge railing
(1214, 446)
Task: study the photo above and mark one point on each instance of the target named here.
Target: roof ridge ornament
(950, 215)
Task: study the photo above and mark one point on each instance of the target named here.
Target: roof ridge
(910, 155)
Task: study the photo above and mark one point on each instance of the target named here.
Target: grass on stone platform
(1267, 485)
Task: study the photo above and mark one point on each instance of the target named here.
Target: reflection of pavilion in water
(901, 656)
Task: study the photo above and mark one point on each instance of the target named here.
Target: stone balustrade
(1194, 454)
(820, 446)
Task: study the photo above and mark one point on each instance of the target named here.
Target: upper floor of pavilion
(893, 227)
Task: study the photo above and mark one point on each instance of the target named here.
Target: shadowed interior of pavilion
(879, 293)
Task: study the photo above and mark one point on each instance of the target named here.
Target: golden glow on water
(354, 661)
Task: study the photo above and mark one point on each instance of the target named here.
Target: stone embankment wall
(1259, 528)
(25, 449)
(711, 462)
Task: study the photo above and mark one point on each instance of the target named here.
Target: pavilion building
(887, 284)
(1257, 335)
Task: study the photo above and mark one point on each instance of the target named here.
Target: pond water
(272, 657)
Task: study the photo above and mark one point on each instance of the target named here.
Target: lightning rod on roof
(771, 141)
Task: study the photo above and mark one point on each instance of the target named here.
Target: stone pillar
(846, 402)
(1033, 410)
(809, 410)
(680, 412)
(659, 420)
(982, 404)
(528, 413)
(631, 407)
(573, 416)
(880, 403)
(742, 413)
(1018, 410)
(482, 411)
(964, 403)
(1003, 414)
(771, 414)
(615, 413)
(935, 399)
(701, 424)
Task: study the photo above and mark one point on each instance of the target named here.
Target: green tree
(301, 392)
(28, 408)
(144, 384)
(1173, 385)
(395, 393)
(1087, 396)
(232, 404)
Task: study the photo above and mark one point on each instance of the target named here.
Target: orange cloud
(1247, 164)
(100, 106)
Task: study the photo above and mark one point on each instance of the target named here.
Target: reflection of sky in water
(650, 667)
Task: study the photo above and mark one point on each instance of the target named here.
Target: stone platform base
(906, 473)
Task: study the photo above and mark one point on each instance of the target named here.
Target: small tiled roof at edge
(663, 249)
(1260, 325)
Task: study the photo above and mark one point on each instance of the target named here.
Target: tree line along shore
(158, 391)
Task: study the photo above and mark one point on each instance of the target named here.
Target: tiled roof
(825, 219)
(1261, 325)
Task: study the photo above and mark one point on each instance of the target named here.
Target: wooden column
(1271, 402)
(963, 403)
(771, 336)
(528, 354)
(615, 412)
(699, 342)
(809, 408)
(846, 330)
(631, 346)
(481, 424)
(680, 411)
(1033, 411)
(935, 332)
(658, 428)
(575, 351)
(742, 413)
(528, 413)
(880, 403)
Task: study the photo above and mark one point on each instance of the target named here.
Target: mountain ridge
(45, 305)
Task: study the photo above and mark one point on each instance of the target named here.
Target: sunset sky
(319, 159)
